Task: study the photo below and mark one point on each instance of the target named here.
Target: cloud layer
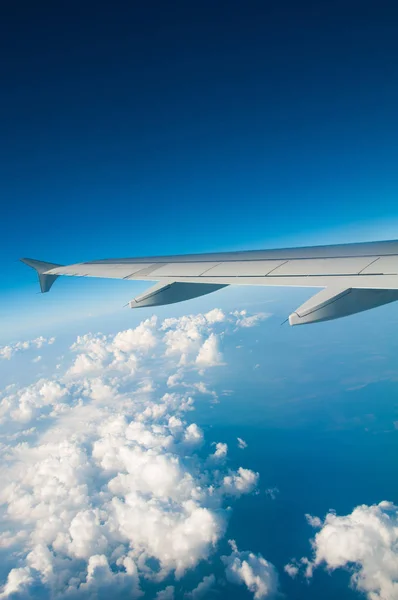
(106, 483)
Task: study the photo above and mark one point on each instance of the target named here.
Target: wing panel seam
(369, 265)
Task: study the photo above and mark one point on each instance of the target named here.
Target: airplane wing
(354, 277)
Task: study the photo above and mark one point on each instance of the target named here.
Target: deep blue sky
(133, 128)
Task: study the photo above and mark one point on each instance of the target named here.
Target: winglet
(43, 269)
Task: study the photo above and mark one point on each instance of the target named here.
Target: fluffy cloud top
(203, 588)
(259, 575)
(241, 482)
(209, 354)
(166, 594)
(104, 483)
(365, 542)
(220, 452)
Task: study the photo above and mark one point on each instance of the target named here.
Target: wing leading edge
(357, 277)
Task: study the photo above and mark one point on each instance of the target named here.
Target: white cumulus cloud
(365, 542)
(220, 452)
(104, 486)
(241, 482)
(209, 354)
(203, 588)
(259, 575)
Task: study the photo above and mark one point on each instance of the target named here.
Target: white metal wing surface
(356, 277)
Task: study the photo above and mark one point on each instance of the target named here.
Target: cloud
(209, 354)
(18, 581)
(291, 569)
(245, 320)
(194, 340)
(190, 339)
(166, 594)
(220, 453)
(241, 482)
(104, 483)
(196, 335)
(119, 352)
(259, 575)
(203, 589)
(272, 492)
(313, 521)
(141, 338)
(215, 316)
(176, 380)
(193, 434)
(365, 542)
(103, 583)
(24, 404)
(7, 352)
(241, 443)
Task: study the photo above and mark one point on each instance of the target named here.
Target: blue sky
(182, 128)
